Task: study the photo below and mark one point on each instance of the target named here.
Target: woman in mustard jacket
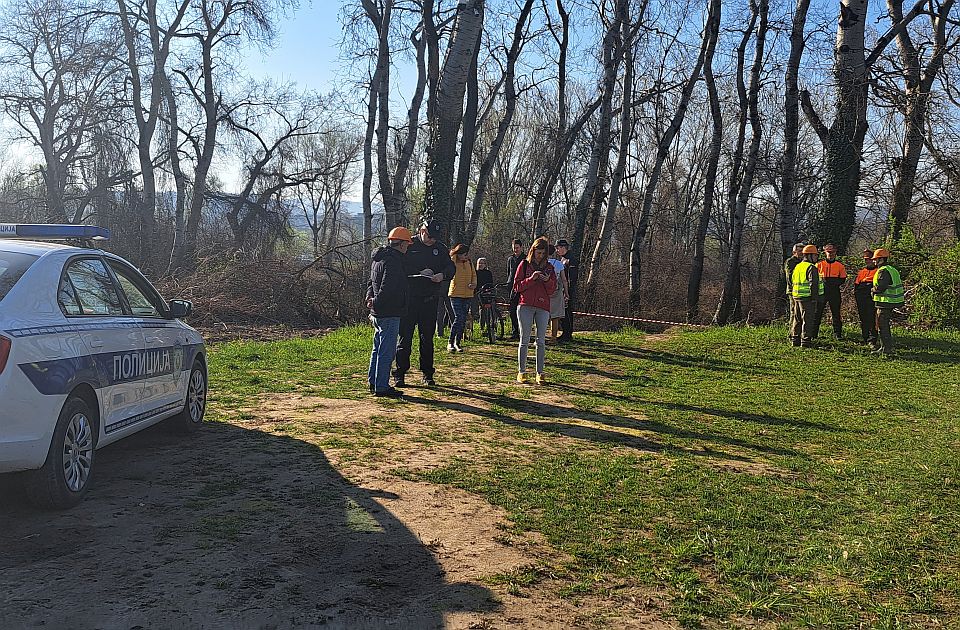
(461, 292)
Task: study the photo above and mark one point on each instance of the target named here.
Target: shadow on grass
(552, 411)
(227, 528)
(757, 418)
(593, 349)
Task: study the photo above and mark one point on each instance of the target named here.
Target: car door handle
(96, 342)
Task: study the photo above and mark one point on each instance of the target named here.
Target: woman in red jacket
(534, 282)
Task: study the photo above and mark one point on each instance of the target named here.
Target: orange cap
(810, 249)
(400, 234)
(881, 253)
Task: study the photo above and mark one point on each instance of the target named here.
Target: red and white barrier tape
(626, 319)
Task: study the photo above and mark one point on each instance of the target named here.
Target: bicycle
(491, 321)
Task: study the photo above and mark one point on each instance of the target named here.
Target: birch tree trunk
(441, 154)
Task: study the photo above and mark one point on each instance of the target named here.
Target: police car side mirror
(180, 309)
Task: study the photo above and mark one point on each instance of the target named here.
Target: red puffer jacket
(535, 293)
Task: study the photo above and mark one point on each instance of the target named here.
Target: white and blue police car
(89, 354)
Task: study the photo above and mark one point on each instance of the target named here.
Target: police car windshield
(12, 268)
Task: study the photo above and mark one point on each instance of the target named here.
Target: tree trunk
(713, 162)
(791, 132)
(600, 149)
(410, 143)
(510, 106)
(663, 150)
(442, 152)
(917, 86)
(381, 22)
(843, 140)
(730, 300)
(467, 142)
(623, 150)
(559, 153)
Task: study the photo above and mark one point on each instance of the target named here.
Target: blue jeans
(386, 331)
(460, 308)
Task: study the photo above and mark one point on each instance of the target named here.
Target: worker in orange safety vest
(862, 292)
(834, 275)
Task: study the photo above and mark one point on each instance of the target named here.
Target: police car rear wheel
(65, 477)
(195, 407)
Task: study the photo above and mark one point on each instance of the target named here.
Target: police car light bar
(53, 232)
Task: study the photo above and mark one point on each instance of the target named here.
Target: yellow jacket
(465, 276)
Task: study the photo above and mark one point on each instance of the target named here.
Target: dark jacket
(388, 283)
(572, 266)
(512, 263)
(420, 257)
(484, 278)
(788, 266)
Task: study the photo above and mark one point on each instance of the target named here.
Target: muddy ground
(238, 526)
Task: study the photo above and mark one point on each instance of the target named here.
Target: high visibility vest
(801, 286)
(892, 294)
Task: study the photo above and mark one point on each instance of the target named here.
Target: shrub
(936, 289)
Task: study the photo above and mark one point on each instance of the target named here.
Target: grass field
(735, 477)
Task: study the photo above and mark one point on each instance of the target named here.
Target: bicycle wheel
(500, 324)
(491, 324)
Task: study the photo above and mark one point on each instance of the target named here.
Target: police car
(89, 354)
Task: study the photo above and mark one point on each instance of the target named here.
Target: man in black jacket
(512, 263)
(387, 297)
(572, 266)
(427, 264)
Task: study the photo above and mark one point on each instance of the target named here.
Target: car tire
(66, 475)
(195, 405)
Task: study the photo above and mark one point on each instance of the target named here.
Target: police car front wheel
(195, 406)
(65, 477)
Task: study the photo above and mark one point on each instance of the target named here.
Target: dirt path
(270, 522)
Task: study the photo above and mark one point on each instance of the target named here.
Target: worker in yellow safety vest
(887, 295)
(807, 289)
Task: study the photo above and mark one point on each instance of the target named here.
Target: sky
(306, 49)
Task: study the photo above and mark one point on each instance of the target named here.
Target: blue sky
(306, 48)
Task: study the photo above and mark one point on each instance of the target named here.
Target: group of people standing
(814, 284)
(405, 294)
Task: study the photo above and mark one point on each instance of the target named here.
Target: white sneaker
(451, 347)
(458, 347)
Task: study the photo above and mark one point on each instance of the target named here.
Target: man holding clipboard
(427, 265)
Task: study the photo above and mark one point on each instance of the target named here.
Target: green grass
(740, 477)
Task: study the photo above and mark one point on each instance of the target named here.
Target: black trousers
(867, 311)
(514, 303)
(566, 325)
(832, 299)
(422, 316)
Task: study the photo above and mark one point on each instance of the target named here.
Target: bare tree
(60, 88)
(713, 161)
(730, 303)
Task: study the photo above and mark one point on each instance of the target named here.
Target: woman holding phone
(534, 282)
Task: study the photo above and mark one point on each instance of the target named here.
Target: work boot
(398, 381)
(429, 382)
(392, 392)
